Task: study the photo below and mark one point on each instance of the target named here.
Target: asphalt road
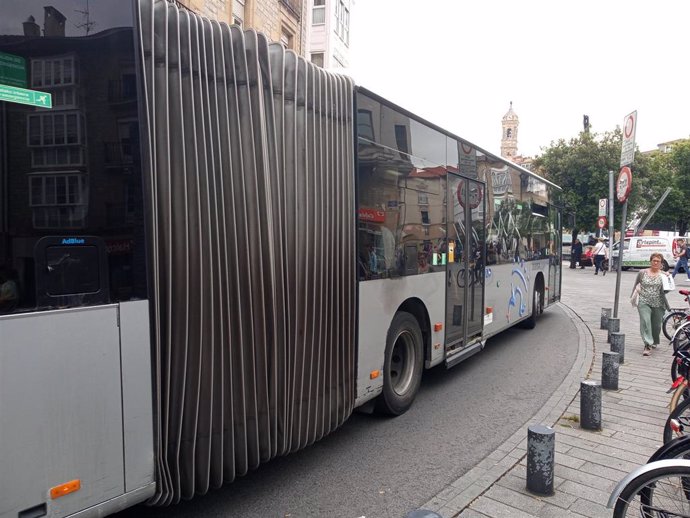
(378, 467)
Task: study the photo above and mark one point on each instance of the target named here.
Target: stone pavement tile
(470, 513)
(566, 460)
(559, 499)
(591, 509)
(604, 460)
(586, 479)
(497, 509)
(551, 511)
(618, 439)
(606, 472)
(523, 501)
(639, 441)
(583, 492)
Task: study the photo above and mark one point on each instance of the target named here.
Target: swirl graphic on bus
(515, 290)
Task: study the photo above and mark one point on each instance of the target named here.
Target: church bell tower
(510, 132)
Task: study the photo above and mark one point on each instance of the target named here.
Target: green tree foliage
(580, 166)
(671, 169)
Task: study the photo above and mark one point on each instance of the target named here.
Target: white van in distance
(637, 250)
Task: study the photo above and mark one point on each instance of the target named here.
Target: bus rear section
(176, 201)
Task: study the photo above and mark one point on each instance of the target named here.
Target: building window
(57, 156)
(342, 22)
(425, 217)
(238, 14)
(365, 124)
(53, 72)
(286, 38)
(59, 200)
(318, 13)
(401, 138)
(55, 129)
(422, 198)
(317, 59)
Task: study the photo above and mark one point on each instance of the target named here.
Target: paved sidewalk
(588, 464)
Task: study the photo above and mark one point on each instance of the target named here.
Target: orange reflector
(65, 489)
(374, 374)
(675, 426)
(489, 310)
(438, 326)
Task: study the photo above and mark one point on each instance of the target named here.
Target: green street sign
(12, 94)
(12, 70)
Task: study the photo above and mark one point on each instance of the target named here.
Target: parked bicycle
(660, 488)
(676, 317)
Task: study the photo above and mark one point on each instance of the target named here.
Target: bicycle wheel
(661, 492)
(678, 448)
(672, 321)
(681, 340)
(680, 392)
(678, 422)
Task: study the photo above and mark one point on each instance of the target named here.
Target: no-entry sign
(602, 222)
(624, 184)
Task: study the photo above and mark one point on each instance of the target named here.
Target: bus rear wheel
(537, 308)
(403, 363)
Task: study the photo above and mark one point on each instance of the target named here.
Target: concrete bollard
(541, 445)
(605, 315)
(609, 370)
(614, 327)
(422, 513)
(590, 405)
(618, 346)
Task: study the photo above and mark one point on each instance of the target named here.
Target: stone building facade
(283, 21)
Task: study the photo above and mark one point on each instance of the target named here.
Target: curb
(458, 495)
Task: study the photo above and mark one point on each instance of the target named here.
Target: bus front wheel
(403, 363)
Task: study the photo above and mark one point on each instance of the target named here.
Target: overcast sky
(459, 63)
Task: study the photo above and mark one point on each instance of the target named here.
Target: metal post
(618, 346)
(609, 370)
(590, 405)
(614, 327)
(624, 214)
(541, 445)
(605, 315)
(612, 227)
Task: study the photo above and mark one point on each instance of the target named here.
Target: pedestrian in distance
(651, 303)
(600, 254)
(682, 254)
(577, 254)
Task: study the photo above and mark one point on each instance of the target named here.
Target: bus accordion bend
(213, 251)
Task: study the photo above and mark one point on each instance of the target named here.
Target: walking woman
(652, 302)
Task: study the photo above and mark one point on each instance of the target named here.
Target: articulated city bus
(212, 252)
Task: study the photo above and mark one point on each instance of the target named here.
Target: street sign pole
(623, 188)
(612, 227)
(624, 214)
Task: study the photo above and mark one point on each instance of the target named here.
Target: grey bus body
(197, 267)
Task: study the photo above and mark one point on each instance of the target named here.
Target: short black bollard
(609, 370)
(541, 445)
(614, 327)
(605, 315)
(618, 346)
(590, 405)
(422, 513)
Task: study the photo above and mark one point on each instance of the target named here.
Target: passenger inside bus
(9, 290)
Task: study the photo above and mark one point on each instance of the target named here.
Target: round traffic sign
(629, 126)
(602, 222)
(624, 184)
(475, 195)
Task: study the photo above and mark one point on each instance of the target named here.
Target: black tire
(672, 321)
(682, 338)
(664, 265)
(537, 308)
(679, 416)
(403, 364)
(625, 268)
(655, 493)
(678, 448)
